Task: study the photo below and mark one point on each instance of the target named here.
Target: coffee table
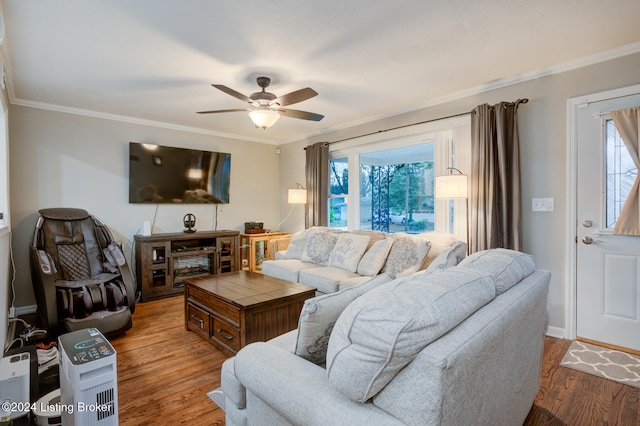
(234, 309)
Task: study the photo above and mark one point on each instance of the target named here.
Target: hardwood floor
(164, 373)
(570, 397)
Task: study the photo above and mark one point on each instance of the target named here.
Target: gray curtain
(317, 174)
(495, 198)
(627, 122)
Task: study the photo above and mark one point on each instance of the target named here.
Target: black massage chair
(80, 275)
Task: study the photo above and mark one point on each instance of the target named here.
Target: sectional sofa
(331, 260)
(451, 346)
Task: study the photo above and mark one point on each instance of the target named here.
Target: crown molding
(505, 82)
(498, 84)
(133, 120)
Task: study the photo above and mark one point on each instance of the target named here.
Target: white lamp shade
(451, 186)
(264, 117)
(297, 196)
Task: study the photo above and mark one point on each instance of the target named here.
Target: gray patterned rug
(607, 363)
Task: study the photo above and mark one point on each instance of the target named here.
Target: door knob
(587, 240)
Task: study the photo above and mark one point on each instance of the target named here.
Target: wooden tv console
(164, 261)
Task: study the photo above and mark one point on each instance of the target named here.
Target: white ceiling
(152, 61)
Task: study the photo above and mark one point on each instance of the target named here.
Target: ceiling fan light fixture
(264, 118)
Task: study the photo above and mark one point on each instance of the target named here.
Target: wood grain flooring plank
(165, 371)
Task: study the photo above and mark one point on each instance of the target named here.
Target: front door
(608, 266)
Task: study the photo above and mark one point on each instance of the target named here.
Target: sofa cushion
(286, 269)
(348, 251)
(355, 281)
(406, 254)
(383, 330)
(318, 246)
(320, 313)
(375, 257)
(508, 267)
(296, 245)
(325, 279)
(448, 258)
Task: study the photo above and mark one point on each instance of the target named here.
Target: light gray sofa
(331, 260)
(459, 346)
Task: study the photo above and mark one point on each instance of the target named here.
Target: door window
(621, 172)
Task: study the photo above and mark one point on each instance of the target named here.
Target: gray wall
(543, 144)
(66, 160)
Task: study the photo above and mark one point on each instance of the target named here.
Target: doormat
(607, 363)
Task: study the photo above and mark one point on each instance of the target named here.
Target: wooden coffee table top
(247, 289)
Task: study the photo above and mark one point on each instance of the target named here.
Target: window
(387, 183)
(338, 191)
(396, 189)
(621, 172)
(4, 166)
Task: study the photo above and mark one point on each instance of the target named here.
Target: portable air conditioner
(88, 379)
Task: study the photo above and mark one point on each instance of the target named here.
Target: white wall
(66, 160)
(543, 144)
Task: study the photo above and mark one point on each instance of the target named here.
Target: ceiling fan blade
(233, 93)
(223, 110)
(295, 97)
(304, 115)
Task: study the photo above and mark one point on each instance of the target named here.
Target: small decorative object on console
(254, 228)
(189, 222)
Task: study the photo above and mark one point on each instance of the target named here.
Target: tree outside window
(396, 189)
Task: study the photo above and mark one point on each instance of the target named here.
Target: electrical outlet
(542, 204)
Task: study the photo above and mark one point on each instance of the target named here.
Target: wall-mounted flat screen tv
(168, 175)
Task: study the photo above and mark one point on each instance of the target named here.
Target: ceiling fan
(266, 107)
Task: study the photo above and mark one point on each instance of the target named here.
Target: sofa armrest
(299, 390)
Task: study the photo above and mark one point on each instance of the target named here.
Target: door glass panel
(621, 172)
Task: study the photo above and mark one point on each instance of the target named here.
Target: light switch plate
(542, 204)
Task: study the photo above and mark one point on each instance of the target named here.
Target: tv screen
(168, 175)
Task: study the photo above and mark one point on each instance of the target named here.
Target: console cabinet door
(156, 278)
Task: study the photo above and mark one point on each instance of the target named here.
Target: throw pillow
(296, 246)
(348, 251)
(374, 258)
(318, 246)
(406, 255)
(508, 267)
(448, 258)
(383, 330)
(319, 315)
(439, 242)
(374, 236)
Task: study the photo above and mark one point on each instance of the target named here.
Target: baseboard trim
(557, 332)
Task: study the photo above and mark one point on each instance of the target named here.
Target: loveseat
(455, 346)
(332, 260)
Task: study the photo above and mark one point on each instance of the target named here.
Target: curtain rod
(519, 101)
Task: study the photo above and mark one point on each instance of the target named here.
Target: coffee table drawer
(225, 333)
(198, 318)
(214, 304)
